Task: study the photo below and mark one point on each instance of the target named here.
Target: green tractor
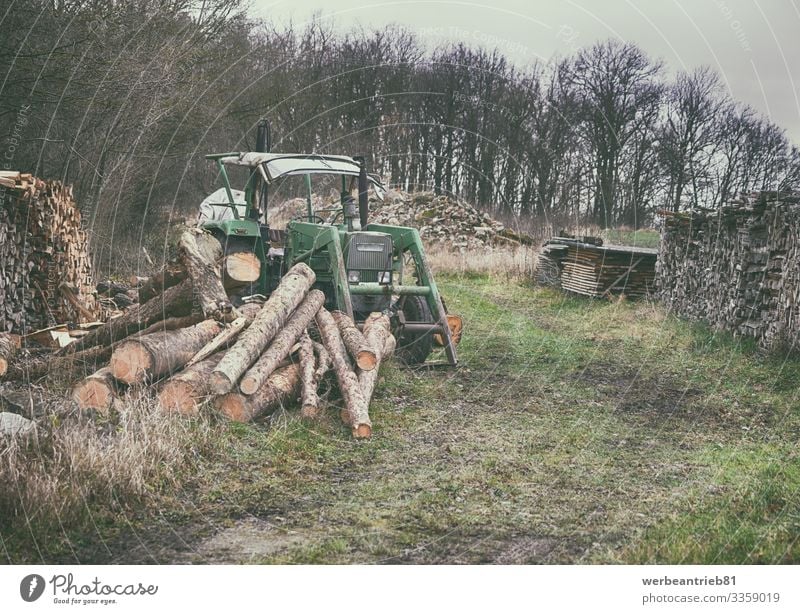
(361, 267)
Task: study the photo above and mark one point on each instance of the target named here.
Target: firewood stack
(45, 270)
(191, 346)
(737, 268)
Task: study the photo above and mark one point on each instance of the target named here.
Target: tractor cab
(361, 267)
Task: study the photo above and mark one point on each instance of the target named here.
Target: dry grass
(506, 263)
(74, 464)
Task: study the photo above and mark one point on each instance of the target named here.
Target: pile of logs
(265, 358)
(596, 270)
(737, 268)
(187, 342)
(45, 270)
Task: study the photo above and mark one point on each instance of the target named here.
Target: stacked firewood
(45, 270)
(737, 268)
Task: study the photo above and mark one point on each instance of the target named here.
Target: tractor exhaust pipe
(363, 191)
(263, 136)
(263, 144)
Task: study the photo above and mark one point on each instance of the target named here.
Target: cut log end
(93, 394)
(362, 431)
(178, 396)
(248, 385)
(3, 366)
(219, 383)
(130, 362)
(366, 360)
(234, 406)
(310, 412)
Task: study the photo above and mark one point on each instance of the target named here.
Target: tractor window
(288, 197)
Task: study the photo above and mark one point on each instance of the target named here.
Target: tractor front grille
(370, 253)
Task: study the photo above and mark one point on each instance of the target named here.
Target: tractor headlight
(353, 277)
(385, 278)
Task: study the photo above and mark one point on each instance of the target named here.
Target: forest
(123, 100)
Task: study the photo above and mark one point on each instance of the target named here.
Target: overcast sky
(754, 44)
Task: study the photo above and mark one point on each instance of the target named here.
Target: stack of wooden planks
(45, 270)
(597, 270)
(736, 268)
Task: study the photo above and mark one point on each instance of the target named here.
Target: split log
(228, 334)
(175, 301)
(280, 387)
(354, 401)
(171, 275)
(354, 341)
(281, 345)
(199, 254)
(377, 331)
(97, 391)
(186, 391)
(251, 343)
(152, 356)
(240, 269)
(9, 344)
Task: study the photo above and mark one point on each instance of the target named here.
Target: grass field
(574, 431)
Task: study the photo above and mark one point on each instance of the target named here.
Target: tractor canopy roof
(277, 165)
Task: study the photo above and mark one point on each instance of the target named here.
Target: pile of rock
(445, 220)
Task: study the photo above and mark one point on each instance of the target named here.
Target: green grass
(638, 238)
(573, 431)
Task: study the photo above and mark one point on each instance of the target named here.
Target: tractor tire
(414, 348)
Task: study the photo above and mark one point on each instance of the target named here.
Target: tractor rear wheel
(413, 348)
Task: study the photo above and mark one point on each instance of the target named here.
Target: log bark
(240, 269)
(171, 275)
(176, 301)
(323, 361)
(98, 391)
(357, 346)
(172, 324)
(281, 345)
(251, 343)
(9, 344)
(186, 391)
(151, 356)
(377, 331)
(310, 405)
(199, 257)
(278, 389)
(354, 402)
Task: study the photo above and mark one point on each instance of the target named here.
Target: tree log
(170, 275)
(282, 344)
(186, 391)
(354, 402)
(176, 301)
(199, 256)
(152, 356)
(280, 387)
(309, 399)
(323, 361)
(357, 346)
(377, 332)
(97, 391)
(251, 343)
(9, 344)
(240, 269)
